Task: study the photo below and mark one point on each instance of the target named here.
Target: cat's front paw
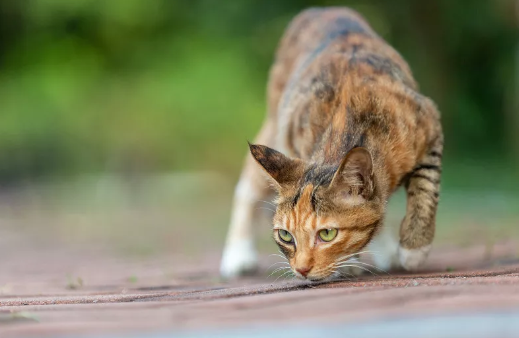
(412, 259)
(239, 258)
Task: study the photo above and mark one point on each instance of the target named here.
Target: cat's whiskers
(279, 269)
(372, 266)
(349, 277)
(270, 203)
(289, 271)
(333, 273)
(369, 252)
(285, 263)
(279, 256)
(291, 274)
(281, 253)
(265, 208)
(347, 259)
(268, 207)
(342, 274)
(357, 266)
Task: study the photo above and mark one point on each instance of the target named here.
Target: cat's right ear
(353, 181)
(283, 170)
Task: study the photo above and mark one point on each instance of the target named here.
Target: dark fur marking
(319, 176)
(361, 228)
(424, 190)
(427, 167)
(361, 142)
(356, 135)
(344, 27)
(351, 25)
(380, 64)
(405, 180)
(269, 159)
(374, 227)
(372, 232)
(296, 198)
(325, 92)
(435, 154)
(371, 122)
(313, 200)
(290, 137)
(288, 253)
(432, 180)
(347, 26)
(369, 79)
(349, 142)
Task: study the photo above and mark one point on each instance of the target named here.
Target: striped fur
(350, 127)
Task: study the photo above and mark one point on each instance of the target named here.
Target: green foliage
(123, 85)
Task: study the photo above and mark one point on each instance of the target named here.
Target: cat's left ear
(353, 179)
(284, 171)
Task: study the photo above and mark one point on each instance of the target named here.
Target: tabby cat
(346, 126)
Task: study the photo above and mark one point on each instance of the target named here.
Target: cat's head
(325, 214)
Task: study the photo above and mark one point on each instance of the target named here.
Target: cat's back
(319, 41)
(336, 84)
(314, 28)
(306, 35)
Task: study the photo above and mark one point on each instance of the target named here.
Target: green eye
(285, 236)
(328, 234)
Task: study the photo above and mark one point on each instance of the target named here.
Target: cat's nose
(304, 271)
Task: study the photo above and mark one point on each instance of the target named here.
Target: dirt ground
(104, 294)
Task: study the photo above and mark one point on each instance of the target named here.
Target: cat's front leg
(383, 249)
(239, 255)
(418, 226)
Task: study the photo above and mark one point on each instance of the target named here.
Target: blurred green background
(161, 85)
(131, 87)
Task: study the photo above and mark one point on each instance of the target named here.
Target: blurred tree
(513, 98)
(93, 85)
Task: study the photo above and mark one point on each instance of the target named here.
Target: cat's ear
(353, 179)
(283, 170)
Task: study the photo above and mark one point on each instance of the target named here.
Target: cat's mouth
(309, 278)
(317, 279)
(312, 279)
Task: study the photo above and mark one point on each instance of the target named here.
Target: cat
(345, 127)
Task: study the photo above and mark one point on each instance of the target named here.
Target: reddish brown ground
(40, 293)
